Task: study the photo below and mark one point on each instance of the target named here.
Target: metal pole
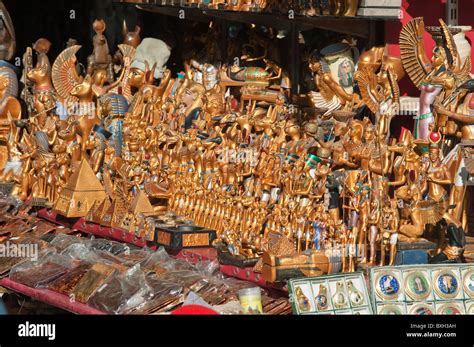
(295, 58)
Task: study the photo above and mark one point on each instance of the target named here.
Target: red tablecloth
(50, 297)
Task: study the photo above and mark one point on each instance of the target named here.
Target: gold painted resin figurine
(436, 78)
(311, 184)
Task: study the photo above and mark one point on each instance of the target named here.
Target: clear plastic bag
(66, 283)
(203, 278)
(208, 268)
(61, 242)
(110, 246)
(133, 257)
(81, 251)
(162, 296)
(112, 260)
(122, 292)
(29, 247)
(120, 248)
(220, 289)
(9, 204)
(100, 245)
(159, 287)
(162, 259)
(230, 308)
(40, 273)
(92, 281)
(185, 278)
(194, 299)
(159, 257)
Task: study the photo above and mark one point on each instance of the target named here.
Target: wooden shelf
(357, 26)
(370, 29)
(173, 11)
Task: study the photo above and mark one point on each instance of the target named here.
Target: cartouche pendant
(303, 302)
(340, 298)
(322, 299)
(355, 296)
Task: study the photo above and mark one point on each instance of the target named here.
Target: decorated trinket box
(281, 268)
(184, 236)
(333, 294)
(227, 258)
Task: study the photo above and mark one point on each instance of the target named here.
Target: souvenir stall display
(108, 276)
(238, 158)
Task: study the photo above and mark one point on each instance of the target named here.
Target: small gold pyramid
(115, 214)
(141, 204)
(98, 211)
(82, 191)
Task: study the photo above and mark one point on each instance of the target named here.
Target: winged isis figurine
(122, 85)
(437, 78)
(379, 89)
(64, 74)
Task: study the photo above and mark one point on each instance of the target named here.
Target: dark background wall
(52, 19)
